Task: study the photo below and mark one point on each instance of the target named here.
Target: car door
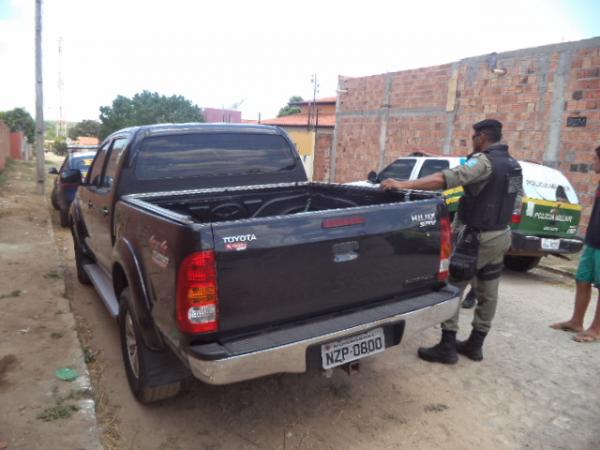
(58, 185)
(104, 203)
(87, 193)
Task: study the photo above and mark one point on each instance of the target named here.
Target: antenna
(236, 105)
(61, 126)
(313, 110)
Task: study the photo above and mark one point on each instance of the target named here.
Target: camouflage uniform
(492, 244)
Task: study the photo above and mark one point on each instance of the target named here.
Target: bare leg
(583, 296)
(593, 332)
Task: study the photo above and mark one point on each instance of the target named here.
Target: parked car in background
(546, 225)
(72, 171)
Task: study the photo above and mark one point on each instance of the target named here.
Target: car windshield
(398, 170)
(206, 154)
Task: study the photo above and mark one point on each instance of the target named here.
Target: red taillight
(445, 249)
(198, 294)
(516, 218)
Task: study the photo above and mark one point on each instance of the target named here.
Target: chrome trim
(572, 241)
(291, 358)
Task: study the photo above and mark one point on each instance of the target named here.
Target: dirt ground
(536, 388)
(37, 329)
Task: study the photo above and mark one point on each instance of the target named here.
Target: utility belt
(464, 259)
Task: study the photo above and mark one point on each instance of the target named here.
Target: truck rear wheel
(521, 263)
(152, 375)
(82, 275)
(53, 200)
(64, 218)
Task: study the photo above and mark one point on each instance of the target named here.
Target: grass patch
(77, 395)
(8, 168)
(56, 335)
(89, 355)
(15, 293)
(53, 275)
(59, 411)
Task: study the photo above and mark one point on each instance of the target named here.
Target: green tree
(85, 128)
(60, 146)
(19, 120)
(147, 108)
(290, 109)
(49, 130)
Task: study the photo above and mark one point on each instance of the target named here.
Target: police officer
(492, 182)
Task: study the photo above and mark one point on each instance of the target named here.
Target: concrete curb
(86, 406)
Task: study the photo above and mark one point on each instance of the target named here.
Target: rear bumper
(532, 245)
(289, 350)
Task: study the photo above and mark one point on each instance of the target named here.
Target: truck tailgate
(280, 269)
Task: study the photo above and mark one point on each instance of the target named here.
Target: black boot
(444, 352)
(469, 300)
(472, 347)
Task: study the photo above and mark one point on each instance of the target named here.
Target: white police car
(548, 220)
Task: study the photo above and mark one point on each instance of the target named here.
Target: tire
(82, 275)
(521, 263)
(64, 218)
(152, 375)
(53, 200)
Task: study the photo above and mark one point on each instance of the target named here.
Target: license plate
(550, 244)
(350, 349)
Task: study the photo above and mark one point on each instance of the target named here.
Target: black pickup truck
(220, 260)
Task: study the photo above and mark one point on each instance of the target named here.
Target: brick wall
(535, 92)
(4, 144)
(17, 139)
(321, 164)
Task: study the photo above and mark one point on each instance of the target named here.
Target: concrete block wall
(538, 94)
(4, 145)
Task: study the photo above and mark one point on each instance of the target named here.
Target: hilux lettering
(424, 219)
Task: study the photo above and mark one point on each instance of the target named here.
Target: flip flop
(585, 338)
(562, 326)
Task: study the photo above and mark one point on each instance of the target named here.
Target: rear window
(205, 154)
(82, 163)
(399, 170)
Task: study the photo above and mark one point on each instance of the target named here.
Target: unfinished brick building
(547, 97)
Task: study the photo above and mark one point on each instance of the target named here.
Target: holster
(463, 262)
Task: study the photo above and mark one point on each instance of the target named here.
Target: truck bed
(290, 252)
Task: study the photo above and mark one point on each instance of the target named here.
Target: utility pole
(61, 124)
(313, 109)
(39, 100)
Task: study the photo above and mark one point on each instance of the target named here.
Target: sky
(257, 53)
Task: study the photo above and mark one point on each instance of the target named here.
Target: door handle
(105, 211)
(90, 204)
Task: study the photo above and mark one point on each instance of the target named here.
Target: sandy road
(536, 389)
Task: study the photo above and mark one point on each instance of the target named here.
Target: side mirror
(372, 177)
(71, 176)
(53, 171)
